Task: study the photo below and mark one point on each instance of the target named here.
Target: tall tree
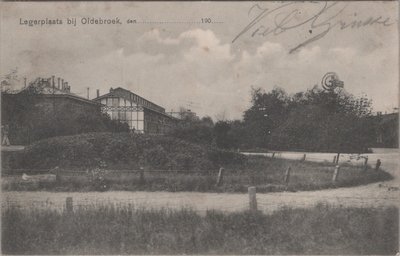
(267, 112)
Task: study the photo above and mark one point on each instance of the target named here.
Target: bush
(124, 151)
(196, 133)
(227, 158)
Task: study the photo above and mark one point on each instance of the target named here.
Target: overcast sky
(196, 65)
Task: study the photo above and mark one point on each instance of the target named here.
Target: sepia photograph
(200, 128)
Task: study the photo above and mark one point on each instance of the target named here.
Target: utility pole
(88, 88)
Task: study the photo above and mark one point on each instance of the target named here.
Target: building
(142, 115)
(184, 114)
(51, 95)
(44, 108)
(387, 130)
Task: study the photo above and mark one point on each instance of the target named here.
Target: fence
(353, 159)
(176, 200)
(183, 180)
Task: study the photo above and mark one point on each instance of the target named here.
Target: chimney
(98, 93)
(66, 87)
(62, 84)
(58, 83)
(52, 82)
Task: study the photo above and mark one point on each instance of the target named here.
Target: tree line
(314, 120)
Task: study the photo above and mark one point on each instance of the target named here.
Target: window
(122, 115)
(114, 115)
(115, 102)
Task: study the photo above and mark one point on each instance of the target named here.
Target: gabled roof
(128, 95)
(48, 91)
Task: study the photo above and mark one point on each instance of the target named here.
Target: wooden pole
(273, 155)
(378, 164)
(69, 205)
(334, 160)
(287, 175)
(336, 173)
(252, 199)
(220, 176)
(365, 163)
(304, 158)
(337, 158)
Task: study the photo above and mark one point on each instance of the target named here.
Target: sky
(175, 58)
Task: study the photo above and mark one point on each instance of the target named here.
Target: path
(12, 148)
(363, 196)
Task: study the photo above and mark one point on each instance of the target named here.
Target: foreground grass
(126, 230)
(265, 173)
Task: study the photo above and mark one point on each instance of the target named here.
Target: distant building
(184, 115)
(42, 99)
(387, 130)
(50, 94)
(142, 115)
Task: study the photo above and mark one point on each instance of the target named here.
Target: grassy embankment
(126, 230)
(264, 173)
(170, 165)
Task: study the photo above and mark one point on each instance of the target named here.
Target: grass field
(265, 173)
(126, 230)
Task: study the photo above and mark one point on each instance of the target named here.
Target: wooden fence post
(141, 174)
(220, 176)
(365, 163)
(334, 159)
(304, 158)
(69, 205)
(287, 175)
(336, 173)
(378, 164)
(252, 199)
(273, 155)
(337, 158)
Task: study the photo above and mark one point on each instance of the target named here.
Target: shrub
(124, 151)
(227, 158)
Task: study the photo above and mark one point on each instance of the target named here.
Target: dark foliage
(194, 132)
(311, 121)
(314, 120)
(124, 151)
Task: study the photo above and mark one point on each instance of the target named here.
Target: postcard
(200, 127)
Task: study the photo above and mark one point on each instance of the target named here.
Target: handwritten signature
(289, 16)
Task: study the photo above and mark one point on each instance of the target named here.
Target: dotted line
(178, 22)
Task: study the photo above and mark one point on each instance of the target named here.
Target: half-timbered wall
(140, 114)
(125, 111)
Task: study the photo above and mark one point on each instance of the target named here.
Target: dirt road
(376, 194)
(363, 196)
